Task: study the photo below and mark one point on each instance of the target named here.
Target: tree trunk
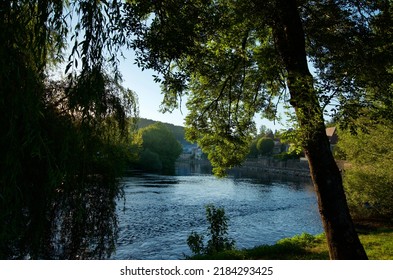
(288, 33)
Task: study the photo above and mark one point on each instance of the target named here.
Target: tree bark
(289, 36)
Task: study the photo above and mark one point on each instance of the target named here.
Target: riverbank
(263, 167)
(377, 241)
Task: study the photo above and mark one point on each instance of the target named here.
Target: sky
(149, 95)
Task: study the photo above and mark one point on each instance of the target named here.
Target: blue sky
(149, 95)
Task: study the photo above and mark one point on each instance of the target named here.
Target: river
(159, 212)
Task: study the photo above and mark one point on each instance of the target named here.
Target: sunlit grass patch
(378, 244)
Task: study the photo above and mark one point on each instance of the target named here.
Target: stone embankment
(271, 166)
(259, 167)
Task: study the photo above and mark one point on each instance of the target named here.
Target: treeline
(178, 131)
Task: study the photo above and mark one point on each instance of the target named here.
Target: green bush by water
(218, 232)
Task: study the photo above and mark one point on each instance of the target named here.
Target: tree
(265, 146)
(368, 178)
(263, 130)
(358, 82)
(160, 149)
(233, 58)
(63, 142)
(292, 138)
(253, 153)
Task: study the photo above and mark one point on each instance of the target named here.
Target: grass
(378, 243)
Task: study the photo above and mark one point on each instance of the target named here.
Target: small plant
(195, 242)
(218, 231)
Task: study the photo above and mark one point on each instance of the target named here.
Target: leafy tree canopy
(243, 72)
(178, 131)
(237, 58)
(160, 149)
(265, 146)
(368, 177)
(232, 58)
(64, 142)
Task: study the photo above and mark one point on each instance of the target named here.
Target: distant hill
(177, 130)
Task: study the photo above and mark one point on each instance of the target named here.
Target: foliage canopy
(63, 143)
(265, 146)
(243, 72)
(237, 58)
(232, 58)
(369, 177)
(159, 148)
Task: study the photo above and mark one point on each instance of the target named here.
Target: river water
(159, 212)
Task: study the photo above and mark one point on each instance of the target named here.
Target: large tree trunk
(289, 36)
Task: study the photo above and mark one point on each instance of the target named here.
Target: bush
(253, 150)
(368, 178)
(218, 231)
(265, 146)
(287, 155)
(195, 242)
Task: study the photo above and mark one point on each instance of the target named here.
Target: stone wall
(266, 165)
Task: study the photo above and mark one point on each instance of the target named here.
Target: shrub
(265, 146)
(218, 231)
(368, 178)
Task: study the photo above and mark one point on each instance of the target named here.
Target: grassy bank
(378, 243)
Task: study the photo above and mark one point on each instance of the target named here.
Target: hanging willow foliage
(63, 143)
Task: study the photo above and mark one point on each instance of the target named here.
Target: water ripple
(161, 211)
